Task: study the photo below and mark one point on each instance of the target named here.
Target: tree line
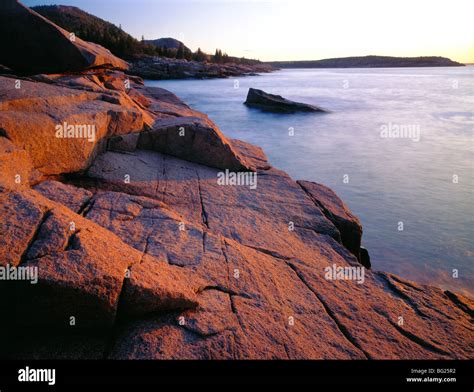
(183, 53)
(91, 28)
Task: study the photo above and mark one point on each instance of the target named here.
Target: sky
(298, 29)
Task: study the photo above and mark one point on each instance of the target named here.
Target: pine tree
(218, 56)
(188, 55)
(199, 55)
(180, 52)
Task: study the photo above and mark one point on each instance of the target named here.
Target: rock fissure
(269, 252)
(88, 207)
(85, 206)
(454, 298)
(400, 294)
(418, 340)
(224, 290)
(72, 242)
(44, 218)
(204, 216)
(343, 329)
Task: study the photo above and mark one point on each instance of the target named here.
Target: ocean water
(422, 183)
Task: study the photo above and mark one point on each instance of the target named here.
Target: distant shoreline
(369, 62)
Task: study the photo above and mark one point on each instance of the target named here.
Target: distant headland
(369, 62)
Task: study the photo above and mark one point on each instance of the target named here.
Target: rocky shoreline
(159, 68)
(141, 253)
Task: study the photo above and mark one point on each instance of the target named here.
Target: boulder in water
(276, 103)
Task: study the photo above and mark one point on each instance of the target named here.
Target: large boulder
(155, 286)
(276, 103)
(32, 112)
(193, 139)
(32, 44)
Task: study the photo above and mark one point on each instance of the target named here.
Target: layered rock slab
(70, 196)
(256, 302)
(260, 293)
(81, 268)
(48, 120)
(193, 139)
(24, 33)
(75, 117)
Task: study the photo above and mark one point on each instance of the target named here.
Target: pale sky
(298, 29)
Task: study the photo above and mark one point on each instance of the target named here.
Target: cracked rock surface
(170, 265)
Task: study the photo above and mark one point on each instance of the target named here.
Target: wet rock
(275, 103)
(365, 257)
